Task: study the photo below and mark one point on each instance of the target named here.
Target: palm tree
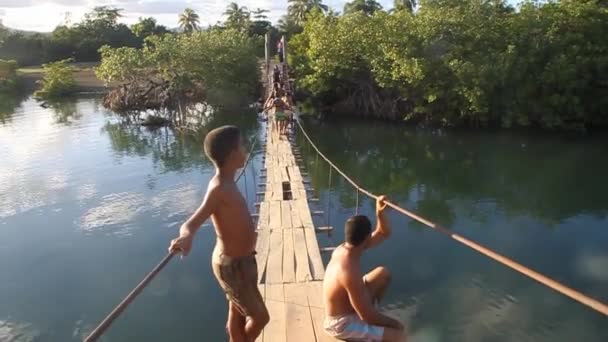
(298, 9)
(368, 7)
(288, 26)
(407, 5)
(260, 14)
(238, 17)
(189, 20)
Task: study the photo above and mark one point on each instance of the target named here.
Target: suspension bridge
(290, 268)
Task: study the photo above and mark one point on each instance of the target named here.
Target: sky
(45, 15)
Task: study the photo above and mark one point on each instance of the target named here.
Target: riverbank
(84, 74)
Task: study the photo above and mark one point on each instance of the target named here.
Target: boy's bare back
(234, 227)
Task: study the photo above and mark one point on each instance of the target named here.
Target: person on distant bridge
(281, 113)
(233, 260)
(348, 295)
(280, 50)
(276, 75)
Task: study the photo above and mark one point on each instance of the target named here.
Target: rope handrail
(544, 280)
(255, 141)
(111, 317)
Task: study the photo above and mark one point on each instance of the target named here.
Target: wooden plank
(276, 328)
(264, 215)
(299, 323)
(296, 222)
(275, 215)
(296, 293)
(304, 212)
(284, 176)
(274, 268)
(286, 214)
(289, 267)
(277, 186)
(301, 253)
(317, 269)
(262, 248)
(314, 291)
(295, 176)
(275, 292)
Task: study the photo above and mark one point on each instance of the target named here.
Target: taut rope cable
(105, 324)
(255, 141)
(561, 288)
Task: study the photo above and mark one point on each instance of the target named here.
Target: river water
(88, 206)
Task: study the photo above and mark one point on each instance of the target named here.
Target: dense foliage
(469, 62)
(80, 41)
(194, 67)
(8, 75)
(58, 80)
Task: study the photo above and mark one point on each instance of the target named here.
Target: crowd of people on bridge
(279, 106)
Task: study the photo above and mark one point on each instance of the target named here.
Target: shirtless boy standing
(348, 295)
(233, 260)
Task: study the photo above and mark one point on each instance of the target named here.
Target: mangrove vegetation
(470, 63)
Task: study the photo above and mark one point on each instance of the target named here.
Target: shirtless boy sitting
(233, 260)
(348, 295)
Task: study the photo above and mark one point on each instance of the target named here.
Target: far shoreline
(84, 75)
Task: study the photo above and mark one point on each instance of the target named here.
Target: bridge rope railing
(526, 271)
(122, 306)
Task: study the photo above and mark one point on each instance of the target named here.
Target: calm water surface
(88, 205)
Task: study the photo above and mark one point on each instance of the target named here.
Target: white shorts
(352, 328)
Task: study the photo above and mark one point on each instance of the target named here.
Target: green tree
(103, 16)
(260, 24)
(58, 80)
(260, 14)
(8, 75)
(189, 21)
(218, 66)
(287, 25)
(26, 49)
(368, 7)
(298, 9)
(147, 27)
(461, 63)
(83, 40)
(238, 17)
(407, 5)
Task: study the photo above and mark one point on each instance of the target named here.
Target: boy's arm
(183, 243)
(361, 301)
(383, 227)
(202, 213)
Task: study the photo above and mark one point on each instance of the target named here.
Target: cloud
(32, 3)
(44, 15)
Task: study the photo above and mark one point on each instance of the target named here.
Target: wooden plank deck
(289, 261)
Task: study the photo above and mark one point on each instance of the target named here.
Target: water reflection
(17, 332)
(8, 104)
(522, 175)
(539, 200)
(174, 149)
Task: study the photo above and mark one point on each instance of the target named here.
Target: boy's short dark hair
(357, 229)
(220, 142)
